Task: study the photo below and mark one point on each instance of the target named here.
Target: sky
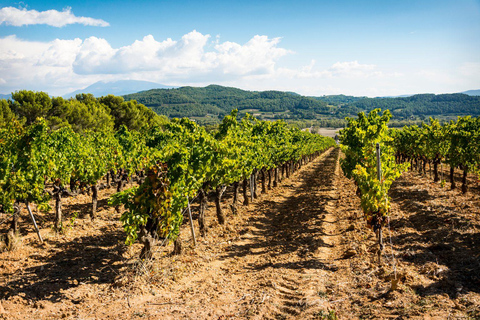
(352, 47)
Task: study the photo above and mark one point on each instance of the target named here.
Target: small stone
(350, 253)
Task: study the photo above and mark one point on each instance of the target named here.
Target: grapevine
(359, 141)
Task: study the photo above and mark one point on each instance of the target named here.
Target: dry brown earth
(301, 251)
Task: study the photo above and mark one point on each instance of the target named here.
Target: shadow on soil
(294, 225)
(84, 209)
(89, 259)
(442, 236)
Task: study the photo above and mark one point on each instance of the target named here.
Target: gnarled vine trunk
(218, 198)
(15, 216)
(275, 177)
(269, 179)
(264, 185)
(254, 184)
(452, 177)
(119, 188)
(148, 242)
(233, 206)
(94, 201)
(245, 195)
(58, 209)
(177, 247)
(464, 180)
(73, 185)
(201, 215)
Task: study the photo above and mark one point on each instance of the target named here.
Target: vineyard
(250, 220)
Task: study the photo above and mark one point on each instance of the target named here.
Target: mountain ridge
(117, 88)
(472, 92)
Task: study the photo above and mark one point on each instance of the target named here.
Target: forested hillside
(424, 105)
(219, 101)
(208, 105)
(211, 103)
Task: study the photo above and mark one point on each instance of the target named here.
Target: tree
(6, 115)
(30, 105)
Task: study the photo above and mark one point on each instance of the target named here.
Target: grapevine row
(456, 143)
(174, 163)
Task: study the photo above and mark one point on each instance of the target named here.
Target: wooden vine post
(34, 222)
(191, 222)
(379, 230)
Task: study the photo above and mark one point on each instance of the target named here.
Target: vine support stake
(379, 164)
(191, 223)
(34, 222)
(379, 176)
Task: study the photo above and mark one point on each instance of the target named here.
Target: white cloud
(168, 57)
(35, 65)
(257, 56)
(23, 17)
(182, 58)
(61, 66)
(60, 53)
(30, 64)
(352, 69)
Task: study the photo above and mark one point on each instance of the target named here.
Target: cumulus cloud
(168, 56)
(192, 58)
(62, 66)
(257, 56)
(23, 17)
(185, 57)
(37, 65)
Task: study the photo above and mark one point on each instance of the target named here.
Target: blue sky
(372, 48)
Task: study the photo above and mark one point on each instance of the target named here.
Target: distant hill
(5, 96)
(218, 101)
(424, 105)
(118, 88)
(400, 96)
(339, 99)
(213, 102)
(472, 92)
(294, 93)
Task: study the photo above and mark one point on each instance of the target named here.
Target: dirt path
(273, 266)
